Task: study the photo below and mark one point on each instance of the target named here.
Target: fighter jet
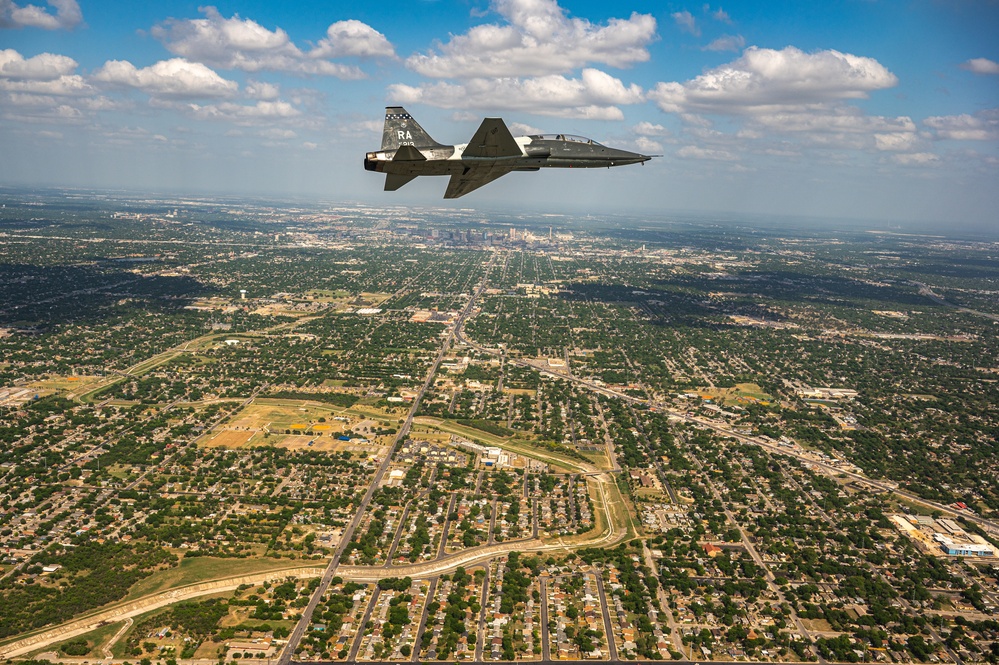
(408, 151)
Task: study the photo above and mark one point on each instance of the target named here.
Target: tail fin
(401, 129)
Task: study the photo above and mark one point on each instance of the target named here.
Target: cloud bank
(537, 39)
(176, 77)
(767, 79)
(66, 17)
(244, 44)
(594, 95)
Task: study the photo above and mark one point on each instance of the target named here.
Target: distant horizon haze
(881, 111)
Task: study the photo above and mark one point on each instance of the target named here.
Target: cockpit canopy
(570, 138)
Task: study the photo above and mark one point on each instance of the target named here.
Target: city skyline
(883, 111)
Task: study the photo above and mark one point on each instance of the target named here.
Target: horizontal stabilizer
(473, 178)
(492, 139)
(394, 181)
(408, 153)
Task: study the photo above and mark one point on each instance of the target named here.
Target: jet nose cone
(625, 157)
(634, 158)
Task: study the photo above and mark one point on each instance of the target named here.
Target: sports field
(296, 425)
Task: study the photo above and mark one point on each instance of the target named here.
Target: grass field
(66, 384)
(651, 493)
(523, 447)
(599, 460)
(229, 439)
(375, 298)
(470, 433)
(520, 391)
(620, 514)
(742, 393)
(201, 569)
(294, 424)
(430, 434)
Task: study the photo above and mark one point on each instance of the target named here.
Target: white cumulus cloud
(537, 38)
(176, 77)
(238, 43)
(801, 97)
(261, 90)
(720, 15)
(353, 38)
(645, 128)
(42, 67)
(646, 145)
(896, 141)
(278, 134)
(53, 114)
(67, 15)
(726, 43)
(594, 95)
(523, 129)
(713, 154)
(687, 22)
(767, 78)
(63, 86)
(981, 66)
(836, 126)
(43, 74)
(982, 126)
(263, 112)
(838, 118)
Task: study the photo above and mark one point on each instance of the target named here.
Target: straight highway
(306, 619)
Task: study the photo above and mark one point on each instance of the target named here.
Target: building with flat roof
(963, 549)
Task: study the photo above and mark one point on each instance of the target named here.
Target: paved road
(548, 661)
(423, 620)
(399, 531)
(359, 637)
(546, 647)
(724, 429)
(674, 629)
(605, 610)
(925, 290)
(348, 534)
(121, 611)
(835, 471)
(303, 623)
(768, 574)
(447, 526)
(484, 604)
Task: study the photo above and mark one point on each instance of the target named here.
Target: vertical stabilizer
(400, 129)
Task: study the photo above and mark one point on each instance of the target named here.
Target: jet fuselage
(538, 152)
(408, 151)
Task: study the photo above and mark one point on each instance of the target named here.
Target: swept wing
(492, 152)
(493, 139)
(472, 178)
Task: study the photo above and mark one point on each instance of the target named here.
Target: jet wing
(492, 139)
(473, 178)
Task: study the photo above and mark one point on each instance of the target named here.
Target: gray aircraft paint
(408, 151)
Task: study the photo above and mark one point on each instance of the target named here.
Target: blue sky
(855, 109)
